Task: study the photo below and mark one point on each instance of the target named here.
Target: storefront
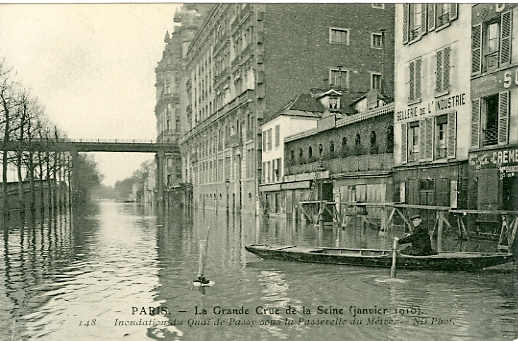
(494, 178)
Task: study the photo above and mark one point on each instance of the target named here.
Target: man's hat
(415, 216)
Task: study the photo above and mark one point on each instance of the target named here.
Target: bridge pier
(160, 178)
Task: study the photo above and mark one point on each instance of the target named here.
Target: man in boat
(420, 239)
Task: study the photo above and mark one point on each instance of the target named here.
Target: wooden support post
(405, 220)
(440, 222)
(383, 224)
(463, 233)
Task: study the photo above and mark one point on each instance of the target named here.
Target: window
(443, 14)
(376, 40)
(338, 78)
(310, 152)
(491, 43)
(292, 155)
(413, 142)
(269, 139)
(416, 20)
(390, 139)
(277, 136)
(419, 19)
(378, 6)
(490, 120)
(376, 81)
(374, 144)
(331, 147)
(339, 36)
(414, 83)
(320, 149)
(441, 137)
(334, 103)
(442, 80)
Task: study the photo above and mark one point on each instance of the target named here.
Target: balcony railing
(443, 19)
(361, 163)
(232, 141)
(490, 137)
(415, 32)
(491, 60)
(441, 152)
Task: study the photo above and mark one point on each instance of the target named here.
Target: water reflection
(96, 264)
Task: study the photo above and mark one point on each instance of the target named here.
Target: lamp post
(227, 182)
(382, 87)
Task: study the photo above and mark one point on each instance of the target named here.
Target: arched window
(310, 151)
(390, 139)
(292, 155)
(301, 153)
(358, 140)
(374, 145)
(320, 149)
(331, 147)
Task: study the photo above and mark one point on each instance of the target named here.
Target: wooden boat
(443, 261)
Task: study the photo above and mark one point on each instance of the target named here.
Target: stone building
(493, 148)
(432, 104)
(344, 159)
(246, 61)
(169, 125)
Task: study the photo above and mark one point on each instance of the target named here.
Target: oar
(394, 257)
(201, 280)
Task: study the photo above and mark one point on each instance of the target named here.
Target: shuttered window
(452, 134)
(503, 117)
(414, 80)
(476, 49)
(475, 123)
(426, 139)
(442, 81)
(406, 18)
(431, 17)
(404, 143)
(491, 43)
(505, 38)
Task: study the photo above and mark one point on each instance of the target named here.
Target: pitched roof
(303, 105)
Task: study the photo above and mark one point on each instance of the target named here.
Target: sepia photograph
(259, 171)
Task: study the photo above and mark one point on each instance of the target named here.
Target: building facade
(493, 154)
(246, 62)
(432, 104)
(346, 160)
(299, 115)
(169, 125)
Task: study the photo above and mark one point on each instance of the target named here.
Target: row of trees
(26, 146)
(124, 188)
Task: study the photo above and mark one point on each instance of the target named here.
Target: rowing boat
(443, 261)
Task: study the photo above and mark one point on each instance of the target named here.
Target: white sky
(92, 67)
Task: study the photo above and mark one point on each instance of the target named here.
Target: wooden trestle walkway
(384, 216)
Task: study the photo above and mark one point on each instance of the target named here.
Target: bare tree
(7, 107)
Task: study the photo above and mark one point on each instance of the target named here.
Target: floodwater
(115, 271)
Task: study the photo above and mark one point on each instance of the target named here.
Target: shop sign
(432, 107)
(506, 160)
(484, 12)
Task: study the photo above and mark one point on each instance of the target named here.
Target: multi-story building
(167, 109)
(343, 159)
(432, 103)
(299, 115)
(247, 61)
(493, 154)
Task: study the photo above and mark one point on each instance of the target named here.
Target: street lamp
(227, 182)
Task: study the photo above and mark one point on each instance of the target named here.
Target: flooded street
(114, 271)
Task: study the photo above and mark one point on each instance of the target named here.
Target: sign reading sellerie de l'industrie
(432, 107)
